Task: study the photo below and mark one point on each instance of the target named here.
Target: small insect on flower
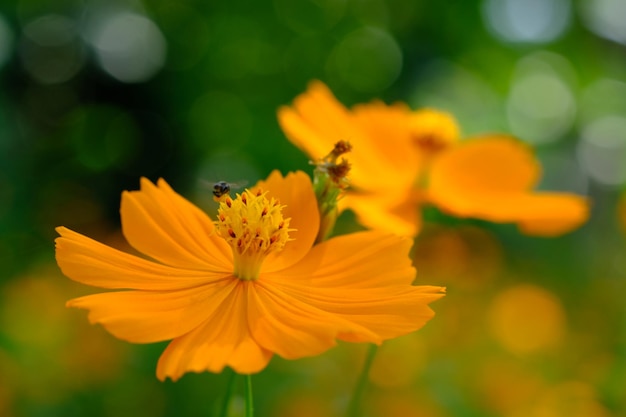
(222, 188)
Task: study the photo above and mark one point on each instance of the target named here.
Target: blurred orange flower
(402, 159)
(234, 291)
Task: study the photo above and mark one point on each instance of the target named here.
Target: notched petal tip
(435, 291)
(144, 182)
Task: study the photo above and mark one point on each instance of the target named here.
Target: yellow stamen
(254, 227)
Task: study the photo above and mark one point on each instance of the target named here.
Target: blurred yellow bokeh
(527, 319)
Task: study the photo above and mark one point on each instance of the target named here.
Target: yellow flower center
(254, 227)
(433, 130)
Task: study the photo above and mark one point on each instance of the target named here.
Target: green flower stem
(355, 402)
(229, 391)
(249, 405)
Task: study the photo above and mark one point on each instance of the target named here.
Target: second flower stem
(249, 404)
(355, 402)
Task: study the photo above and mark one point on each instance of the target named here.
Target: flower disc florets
(254, 227)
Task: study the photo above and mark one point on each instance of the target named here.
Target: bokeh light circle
(51, 50)
(367, 60)
(602, 97)
(606, 18)
(527, 319)
(529, 21)
(541, 107)
(129, 47)
(602, 150)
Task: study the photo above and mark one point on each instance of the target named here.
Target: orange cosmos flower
(235, 291)
(402, 159)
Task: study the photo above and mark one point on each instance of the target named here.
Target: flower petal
(292, 327)
(154, 316)
(303, 135)
(540, 214)
(549, 214)
(395, 214)
(369, 288)
(295, 191)
(385, 312)
(489, 164)
(390, 142)
(378, 259)
(163, 225)
(89, 262)
(318, 120)
(490, 179)
(222, 340)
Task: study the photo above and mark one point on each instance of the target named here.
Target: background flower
(404, 159)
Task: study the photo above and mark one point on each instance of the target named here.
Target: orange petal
(540, 214)
(163, 225)
(222, 340)
(291, 327)
(389, 312)
(489, 164)
(295, 191)
(318, 120)
(378, 259)
(386, 312)
(89, 262)
(369, 287)
(490, 179)
(304, 136)
(553, 214)
(154, 316)
(390, 142)
(398, 214)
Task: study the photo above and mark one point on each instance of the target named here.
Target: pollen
(254, 227)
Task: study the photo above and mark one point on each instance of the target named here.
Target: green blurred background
(97, 93)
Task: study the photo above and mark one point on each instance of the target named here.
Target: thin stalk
(249, 405)
(354, 405)
(229, 392)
